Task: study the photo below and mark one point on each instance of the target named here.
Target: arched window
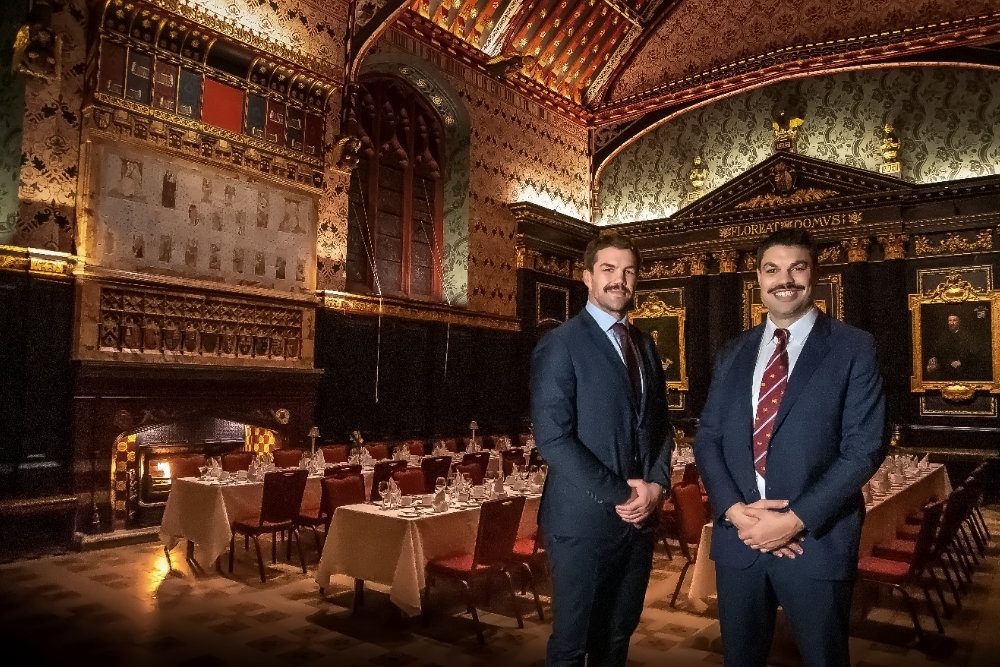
(394, 239)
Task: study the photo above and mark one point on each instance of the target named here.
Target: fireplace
(128, 419)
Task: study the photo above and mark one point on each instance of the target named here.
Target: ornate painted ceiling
(608, 61)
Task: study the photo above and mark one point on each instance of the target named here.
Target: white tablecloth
(202, 512)
(883, 518)
(380, 546)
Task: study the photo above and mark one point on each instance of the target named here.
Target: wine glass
(440, 484)
(383, 491)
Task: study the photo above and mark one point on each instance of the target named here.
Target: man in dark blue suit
(599, 412)
(793, 427)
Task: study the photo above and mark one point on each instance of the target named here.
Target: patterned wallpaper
(11, 116)
(702, 34)
(50, 140)
(947, 119)
(518, 151)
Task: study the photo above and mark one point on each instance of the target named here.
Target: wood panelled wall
(404, 378)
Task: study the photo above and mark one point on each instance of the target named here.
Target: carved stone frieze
(203, 328)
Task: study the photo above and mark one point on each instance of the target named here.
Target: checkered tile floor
(123, 606)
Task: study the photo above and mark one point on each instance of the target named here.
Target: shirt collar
(603, 319)
(797, 331)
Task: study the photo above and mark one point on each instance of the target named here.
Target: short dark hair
(790, 236)
(609, 239)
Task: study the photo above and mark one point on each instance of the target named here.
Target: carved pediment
(789, 180)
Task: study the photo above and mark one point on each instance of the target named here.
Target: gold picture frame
(665, 324)
(955, 321)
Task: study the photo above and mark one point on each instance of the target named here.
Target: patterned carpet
(123, 606)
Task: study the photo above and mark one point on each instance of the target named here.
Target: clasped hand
(645, 499)
(765, 527)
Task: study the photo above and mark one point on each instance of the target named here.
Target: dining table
(201, 511)
(391, 547)
(885, 513)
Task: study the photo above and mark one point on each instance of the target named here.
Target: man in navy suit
(599, 412)
(793, 427)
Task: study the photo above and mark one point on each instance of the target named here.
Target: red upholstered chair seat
(456, 565)
(410, 481)
(886, 570)
(896, 549)
(524, 546)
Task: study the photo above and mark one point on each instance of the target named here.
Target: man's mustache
(786, 286)
(618, 288)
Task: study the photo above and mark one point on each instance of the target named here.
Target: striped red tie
(772, 388)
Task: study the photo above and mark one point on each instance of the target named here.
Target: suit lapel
(742, 374)
(816, 347)
(648, 375)
(607, 350)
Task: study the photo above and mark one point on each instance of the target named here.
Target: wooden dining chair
(509, 458)
(692, 515)
(494, 548)
(336, 453)
(898, 574)
(287, 458)
(473, 470)
(481, 459)
(378, 450)
(382, 472)
(186, 466)
(236, 461)
(529, 554)
(279, 507)
(415, 447)
(335, 491)
(410, 481)
(434, 467)
(341, 469)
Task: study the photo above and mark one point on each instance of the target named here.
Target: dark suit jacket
(828, 440)
(589, 429)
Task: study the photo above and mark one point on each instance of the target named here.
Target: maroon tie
(772, 388)
(631, 360)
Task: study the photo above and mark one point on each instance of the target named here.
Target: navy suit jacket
(589, 429)
(828, 440)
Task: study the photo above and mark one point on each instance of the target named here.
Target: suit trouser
(818, 611)
(598, 587)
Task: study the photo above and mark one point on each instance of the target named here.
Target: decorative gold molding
(131, 120)
(954, 242)
(831, 255)
(664, 269)
(727, 261)
(857, 248)
(360, 304)
(801, 196)
(535, 260)
(893, 246)
(564, 291)
(37, 261)
(697, 263)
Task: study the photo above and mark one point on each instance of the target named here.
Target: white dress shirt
(798, 332)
